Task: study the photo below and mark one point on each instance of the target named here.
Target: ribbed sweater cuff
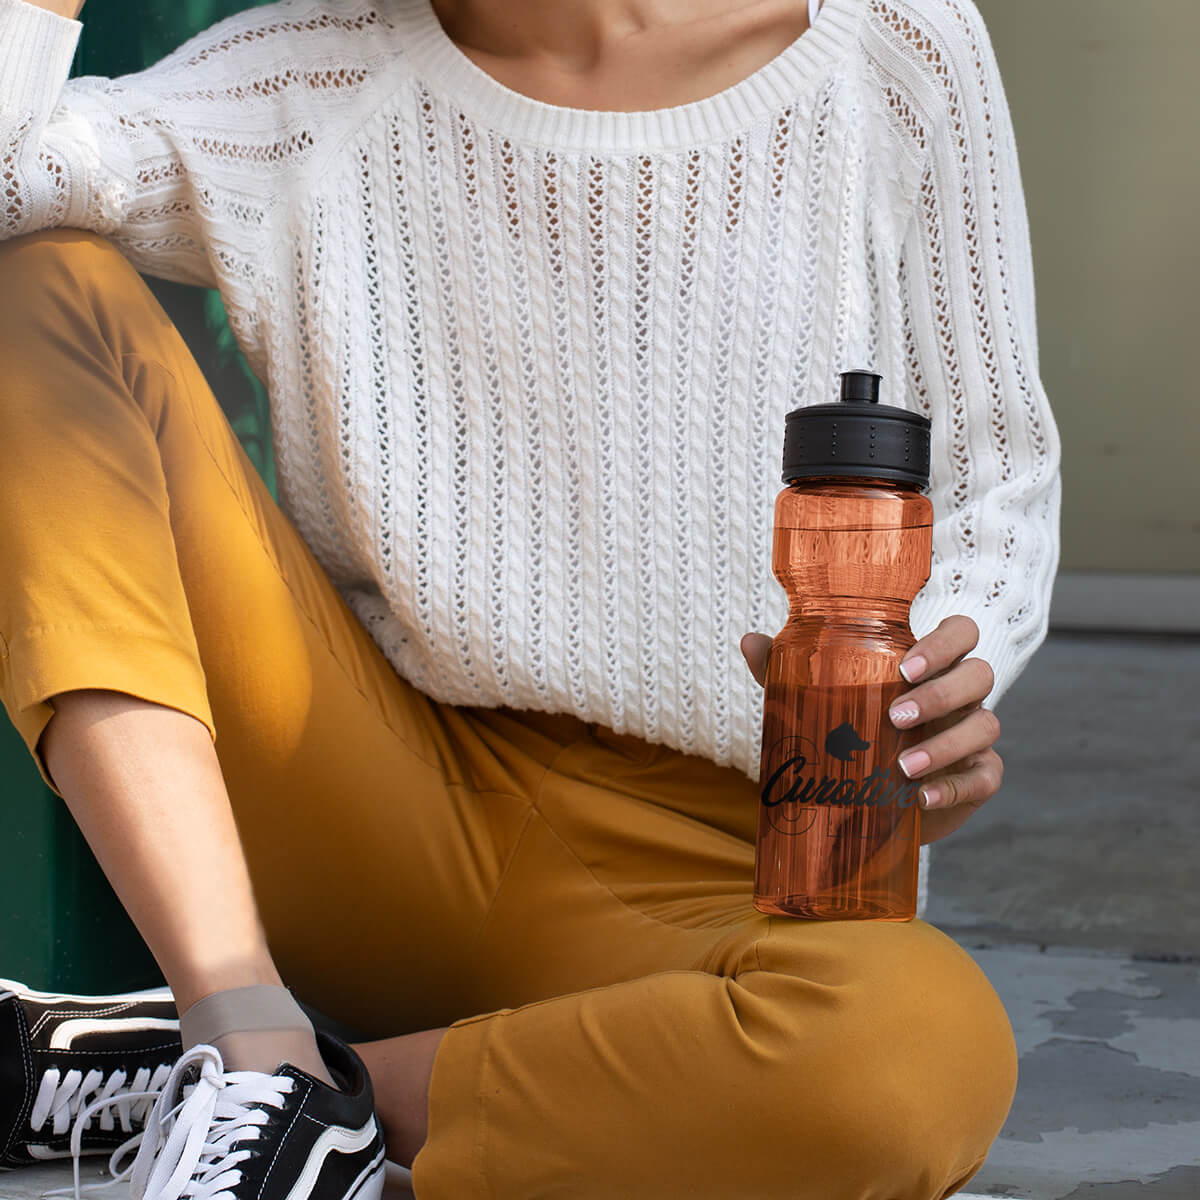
(1005, 664)
(995, 645)
(36, 51)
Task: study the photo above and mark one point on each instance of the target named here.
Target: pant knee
(79, 295)
(86, 325)
(903, 1070)
(29, 260)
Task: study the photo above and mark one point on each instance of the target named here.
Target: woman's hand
(956, 764)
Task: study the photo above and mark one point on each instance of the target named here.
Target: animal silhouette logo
(844, 742)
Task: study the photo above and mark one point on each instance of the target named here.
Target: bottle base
(814, 908)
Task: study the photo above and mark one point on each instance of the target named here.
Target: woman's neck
(574, 35)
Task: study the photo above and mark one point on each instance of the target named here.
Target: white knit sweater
(528, 365)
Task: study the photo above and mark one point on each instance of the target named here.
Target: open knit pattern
(528, 365)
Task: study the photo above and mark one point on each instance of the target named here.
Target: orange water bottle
(839, 823)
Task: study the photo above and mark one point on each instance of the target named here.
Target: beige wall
(1105, 102)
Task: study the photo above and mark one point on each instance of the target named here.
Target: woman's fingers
(960, 793)
(955, 636)
(974, 781)
(963, 686)
(958, 768)
(755, 649)
(977, 731)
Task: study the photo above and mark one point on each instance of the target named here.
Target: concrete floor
(30, 1183)
(1093, 840)
(1108, 1097)
(1076, 891)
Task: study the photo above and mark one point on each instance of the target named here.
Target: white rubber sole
(11, 985)
(369, 1185)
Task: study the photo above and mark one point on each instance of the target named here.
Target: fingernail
(902, 714)
(913, 668)
(914, 763)
(931, 796)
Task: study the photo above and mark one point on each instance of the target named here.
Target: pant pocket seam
(505, 870)
(629, 908)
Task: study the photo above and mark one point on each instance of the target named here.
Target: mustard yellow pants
(576, 904)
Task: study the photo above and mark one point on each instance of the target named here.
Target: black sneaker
(59, 1053)
(246, 1135)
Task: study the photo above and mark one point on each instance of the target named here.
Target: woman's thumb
(755, 649)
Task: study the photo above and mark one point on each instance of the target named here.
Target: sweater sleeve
(182, 165)
(971, 332)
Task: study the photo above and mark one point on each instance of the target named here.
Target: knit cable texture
(529, 365)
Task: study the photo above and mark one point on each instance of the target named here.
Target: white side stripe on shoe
(335, 1138)
(65, 1033)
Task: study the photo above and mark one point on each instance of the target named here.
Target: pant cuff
(450, 1166)
(41, 662)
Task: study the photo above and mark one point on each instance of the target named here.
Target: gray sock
(255, 1028)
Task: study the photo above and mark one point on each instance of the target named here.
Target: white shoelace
(187, 1147)
(60, 1097)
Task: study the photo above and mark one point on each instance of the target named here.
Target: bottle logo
(799, 783)
(844, 742)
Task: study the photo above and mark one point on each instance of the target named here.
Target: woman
(460, 746)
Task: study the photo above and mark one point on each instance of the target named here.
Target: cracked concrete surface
(1109, 1086)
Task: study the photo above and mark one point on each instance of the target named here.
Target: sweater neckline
(447, 72)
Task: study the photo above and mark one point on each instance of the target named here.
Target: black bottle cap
(857, 437)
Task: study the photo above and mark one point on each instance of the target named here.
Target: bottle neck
(852, 549)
